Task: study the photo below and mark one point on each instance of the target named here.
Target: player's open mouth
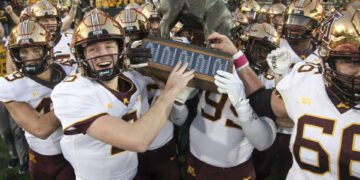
(104, 64)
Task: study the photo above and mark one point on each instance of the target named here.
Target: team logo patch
(109, 105)
(305, 101)
(190, 170)
(35, 94)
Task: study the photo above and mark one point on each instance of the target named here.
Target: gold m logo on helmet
(326, 27)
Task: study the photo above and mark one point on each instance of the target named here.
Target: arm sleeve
(178, 114)
(261, 132)
(76, 109)
(6, 93)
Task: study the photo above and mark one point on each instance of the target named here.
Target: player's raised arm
(265, 102)
(137, 136)
(37, 124)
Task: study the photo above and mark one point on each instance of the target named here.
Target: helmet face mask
(277, 21)
(154, 28)
(261, 40)
(340, 52)
(134, 23)
(298, 27)
(30, 67)
(250, 9)
(27, 38)
(103, 67)
(251, 16)
(276, 16)
(46, 13)
(257, 50)
(100, 29)
(302, 18)
(50, 24)
(336, 75)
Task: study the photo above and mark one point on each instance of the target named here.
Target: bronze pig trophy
(209, 15)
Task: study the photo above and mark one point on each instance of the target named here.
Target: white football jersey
(295, 58)
(267, 79)
(16, 87)
(78, 99)
(166, 133)
(62, 50)
(325, 140)
(214, 138)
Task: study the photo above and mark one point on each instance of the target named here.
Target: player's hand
(9, 9)
(222, 43)
(279, 61)
(178, 79)
(139, 55)
(230, 84)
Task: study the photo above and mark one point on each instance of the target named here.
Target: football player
(250, 9)
(241, 22)
(225, 132)
(48, 15)
(262, 39)
(276, 16)
(134, 23)
(302, 19)
(322, 101)
(151, 13)
(161, 153)
(26, 94)
(104, 110)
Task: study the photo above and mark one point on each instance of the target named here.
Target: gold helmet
(354, 4)
(30, 34)
(177, 28)
(98, 26)
(240, 19)
(44, 9)
(302, 18)
(133, 22)
(150, 12)
(276, 16)
(261, 40)
(250, 9)
(25, 14)
(329, 9)
(341, 42)
(241, 22)
(132, 5)
(263, 14)
(64, 7)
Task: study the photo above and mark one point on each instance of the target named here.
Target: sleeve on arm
(6, 94)
(76, 110)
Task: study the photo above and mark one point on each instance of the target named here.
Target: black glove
(139, 55)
